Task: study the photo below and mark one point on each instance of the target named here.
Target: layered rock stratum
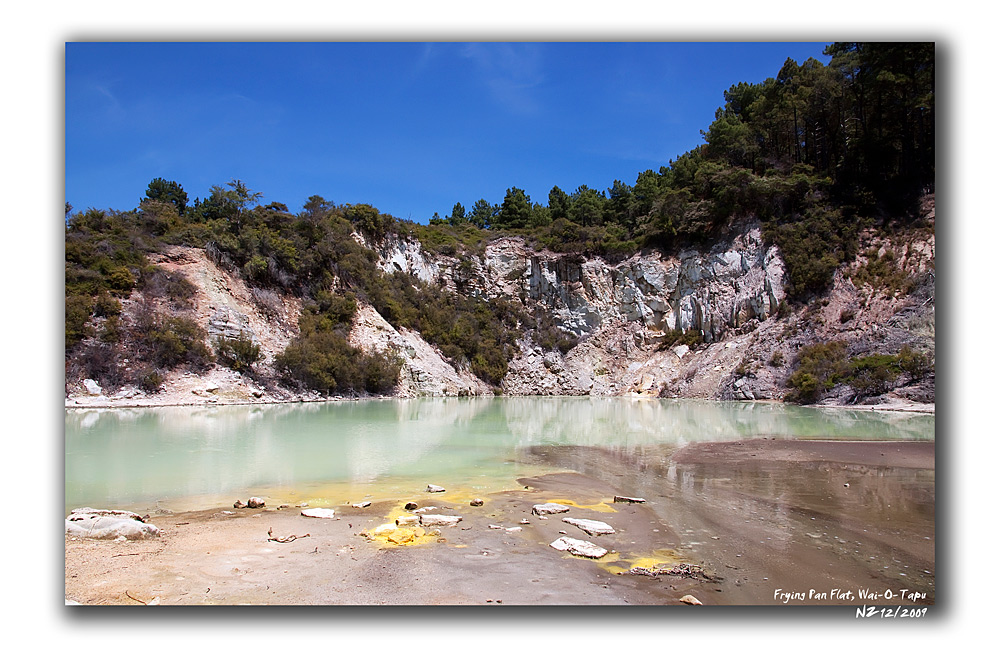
(622, 316)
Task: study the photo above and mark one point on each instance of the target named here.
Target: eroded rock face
(737, 280)
(619, 313)
(425, 371)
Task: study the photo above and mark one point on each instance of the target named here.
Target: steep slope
(626, 321)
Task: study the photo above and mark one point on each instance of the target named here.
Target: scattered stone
(424, 510)
(108, 524)
(410, 506)
(434, 488)
(93, 388)
(513, 529)
(590, 526)
(628, 499)
(438, 520)
(255, 502)
(549, 508)
(525, 521)
(476, 502)
(493, 526)
(408, 520)
(363, 504)
(579, 547)
(239, 504)
(320, 513)
(690, 599)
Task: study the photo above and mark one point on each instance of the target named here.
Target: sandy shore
(755, 519)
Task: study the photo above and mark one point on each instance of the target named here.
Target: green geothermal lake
(187, 458)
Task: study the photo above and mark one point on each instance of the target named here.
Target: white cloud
(510, 71)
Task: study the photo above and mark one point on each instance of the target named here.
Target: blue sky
(411, 128)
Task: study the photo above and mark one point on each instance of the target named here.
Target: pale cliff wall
(730, 293)
(619, 313)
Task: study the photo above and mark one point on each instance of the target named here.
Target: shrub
(106, 305)
(151, 381)
(820, 367)
(872, 374)
(102, 362)
(813, 246)
(239, 354)
(78, 311)
(675, 337)
(916, 364)
(171, 341)
(380, 372)
(322, 360)
(881, 273)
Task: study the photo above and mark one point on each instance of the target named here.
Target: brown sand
(756, 516)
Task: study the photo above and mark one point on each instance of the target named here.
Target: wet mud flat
(729, 523)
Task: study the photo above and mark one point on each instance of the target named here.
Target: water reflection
(124, 457)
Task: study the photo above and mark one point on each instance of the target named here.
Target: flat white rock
(579, 547)
(549, 508)
(320, 513)
(438, 520)
(590, 526)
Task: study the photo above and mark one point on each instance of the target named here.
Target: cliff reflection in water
(123, 457)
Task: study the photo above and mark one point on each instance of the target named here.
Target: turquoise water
(184, 458)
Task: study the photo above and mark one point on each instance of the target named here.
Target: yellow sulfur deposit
(600, 506)
(661, 557)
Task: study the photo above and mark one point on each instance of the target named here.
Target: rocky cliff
(625, 314)
(625, 320)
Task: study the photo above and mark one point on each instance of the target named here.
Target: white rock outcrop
(92, 523)
(619, 312)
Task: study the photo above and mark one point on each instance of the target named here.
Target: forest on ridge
(816, 154)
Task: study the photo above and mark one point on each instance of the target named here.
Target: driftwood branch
(283, 539)
(154, 602)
